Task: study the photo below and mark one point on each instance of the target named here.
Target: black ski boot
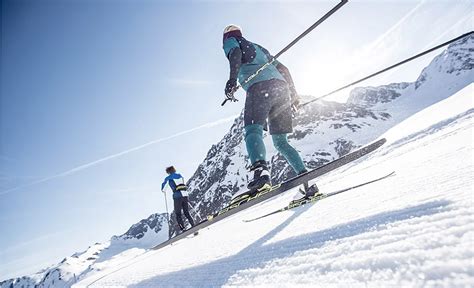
(261, 181)
(309, 189)
(261, 177)
(181, 227)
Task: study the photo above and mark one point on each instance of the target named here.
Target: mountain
(326, 130)
(99, 256)
(323, 131)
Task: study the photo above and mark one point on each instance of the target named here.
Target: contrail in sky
(382, 37)
(453, 27)
(116, 155)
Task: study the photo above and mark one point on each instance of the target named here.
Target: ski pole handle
(225, 101)
(232, 98)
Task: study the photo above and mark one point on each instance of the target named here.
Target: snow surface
(100, 256)
(414, 229)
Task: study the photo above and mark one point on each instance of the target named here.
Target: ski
(259, 197)
(307, 200)
(196, 233)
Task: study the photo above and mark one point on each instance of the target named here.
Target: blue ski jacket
(176, 182)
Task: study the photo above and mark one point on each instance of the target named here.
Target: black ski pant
(181, 203)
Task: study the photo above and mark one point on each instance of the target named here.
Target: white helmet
(232, 27)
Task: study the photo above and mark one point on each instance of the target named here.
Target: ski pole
(306, 32)
(167, 212)
(194, 211)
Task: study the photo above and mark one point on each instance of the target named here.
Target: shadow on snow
(217, 273)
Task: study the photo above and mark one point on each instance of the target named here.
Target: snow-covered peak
(145, 229)
(99, 256)
(456, 60)
(453, 63)
(369, 96)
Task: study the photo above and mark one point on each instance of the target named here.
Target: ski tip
(380, 141)
(390, 174)
(248, 220)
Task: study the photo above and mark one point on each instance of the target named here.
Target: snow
(103, 256)
(414, 229)
(98, 257)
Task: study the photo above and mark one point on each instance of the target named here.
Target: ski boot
(181, 229)
(309, 189)
(261, 177)
(261, 181)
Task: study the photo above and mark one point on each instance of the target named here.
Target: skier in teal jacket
(271, 96)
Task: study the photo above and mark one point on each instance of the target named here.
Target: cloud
(116, 155)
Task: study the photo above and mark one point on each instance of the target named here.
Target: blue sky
(97, 97)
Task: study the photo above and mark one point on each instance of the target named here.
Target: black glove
(230, 88)
(295, 100)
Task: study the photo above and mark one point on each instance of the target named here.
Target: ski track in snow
(414, 229)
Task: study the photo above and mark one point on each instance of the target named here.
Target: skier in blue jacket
(180, 196)
(271, 96)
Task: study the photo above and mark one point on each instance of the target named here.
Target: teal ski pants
(256, 147)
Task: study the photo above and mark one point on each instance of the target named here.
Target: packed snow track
(414, 229)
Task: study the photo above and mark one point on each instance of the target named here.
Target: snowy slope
(99, 256)
(415, 229)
